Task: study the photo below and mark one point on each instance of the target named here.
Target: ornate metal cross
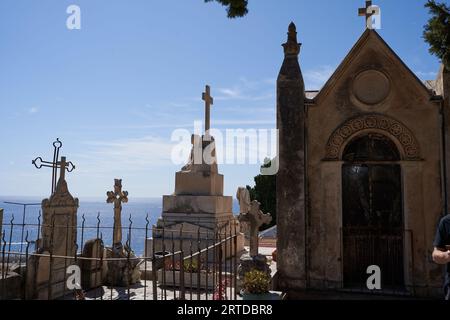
(55, 164)
(206, 96)
(117, 197)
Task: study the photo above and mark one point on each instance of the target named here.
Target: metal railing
(194, 264)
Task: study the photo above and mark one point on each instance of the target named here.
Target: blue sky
(115, 90)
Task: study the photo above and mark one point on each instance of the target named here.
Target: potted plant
(256, 286)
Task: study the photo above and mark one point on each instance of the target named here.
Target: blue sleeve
(442, 234)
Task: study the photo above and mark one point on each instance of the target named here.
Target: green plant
(437, 31)
(191, 266)
(256, 282)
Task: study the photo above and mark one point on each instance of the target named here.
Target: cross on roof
(368, 12)
(206, 96)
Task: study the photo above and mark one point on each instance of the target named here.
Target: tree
(265, 192)
(236, 8)
(437, 31)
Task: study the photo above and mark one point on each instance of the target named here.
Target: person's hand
(446, 256)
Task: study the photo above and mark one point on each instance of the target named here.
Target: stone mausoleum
(362, 173)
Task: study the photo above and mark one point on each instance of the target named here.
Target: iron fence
(196, 264)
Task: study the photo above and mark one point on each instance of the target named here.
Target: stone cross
(368, 12)
(206, 96)
(117, 197)
(256, 218)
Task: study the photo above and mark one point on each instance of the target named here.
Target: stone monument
(117, 197)
(124, 271)
(198, 206)
(57, 246)
(255, 218)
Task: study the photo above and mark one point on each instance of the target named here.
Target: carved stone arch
(398, 132)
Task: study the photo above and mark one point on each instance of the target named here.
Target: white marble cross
(117, 197)
(206, 96)
(256, 218)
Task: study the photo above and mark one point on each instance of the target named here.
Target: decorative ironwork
(55, 164)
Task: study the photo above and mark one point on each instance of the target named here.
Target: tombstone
(256, 218)
(126, 270)
(93, 271)
(47, 272)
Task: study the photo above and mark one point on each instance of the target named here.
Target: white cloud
(33, 110)
(248, 90)
(125, 154)
(316, 78)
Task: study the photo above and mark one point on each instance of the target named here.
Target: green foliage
(437, 31)
(264, 191)
(236, 8)
(256, 282)
(191, 266)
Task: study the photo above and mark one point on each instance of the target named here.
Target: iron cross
(206, 96)
(55, 164)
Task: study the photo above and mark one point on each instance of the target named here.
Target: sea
(91, 213)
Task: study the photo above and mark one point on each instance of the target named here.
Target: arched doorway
(372, 224)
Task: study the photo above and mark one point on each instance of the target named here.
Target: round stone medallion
(371, 87)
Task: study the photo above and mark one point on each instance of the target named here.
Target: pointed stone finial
(292, 47)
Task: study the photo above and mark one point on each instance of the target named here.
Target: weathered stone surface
(256, 218)
(198, 183)
(371, 92)
(117, 197)
(93, 272)
(291, 173)
(125, 271)
(197, 211)
(59, 233)
(197, 204)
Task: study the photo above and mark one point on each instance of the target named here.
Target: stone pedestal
(125, 271)
(197, 213)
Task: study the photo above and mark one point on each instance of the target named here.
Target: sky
(115, 90)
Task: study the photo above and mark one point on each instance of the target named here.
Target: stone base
(122, 273)
(47, 279)
(198, 183)
(189, 204)
(200, 280)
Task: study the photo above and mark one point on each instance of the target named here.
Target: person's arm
(441, 256)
